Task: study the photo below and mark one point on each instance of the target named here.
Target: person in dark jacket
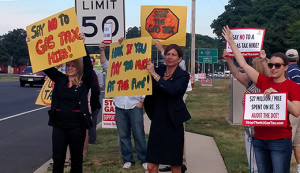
(167, 112)
(95, 107)
(69, 114)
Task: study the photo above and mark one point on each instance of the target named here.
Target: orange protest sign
(54, 40)
(165, 23)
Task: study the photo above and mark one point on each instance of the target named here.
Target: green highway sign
(208, 56)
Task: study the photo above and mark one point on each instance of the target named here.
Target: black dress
(167, 111)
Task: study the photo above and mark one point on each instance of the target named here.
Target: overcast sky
(20, 13)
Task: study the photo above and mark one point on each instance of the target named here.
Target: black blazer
(61, 79)
(175, 91)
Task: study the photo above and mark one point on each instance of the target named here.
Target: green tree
(14, 46)
(4, 56)
(280, 18)
(133, 32)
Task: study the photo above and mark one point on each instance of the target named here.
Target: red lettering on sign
(68, 36)
(42, 46)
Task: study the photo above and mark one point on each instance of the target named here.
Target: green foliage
(13, 48)
(133, 32)
(280, 18)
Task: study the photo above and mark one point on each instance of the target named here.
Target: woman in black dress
(167, 112)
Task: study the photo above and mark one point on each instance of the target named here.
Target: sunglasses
(277, 65)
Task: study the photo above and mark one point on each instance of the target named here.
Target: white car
(220, 74)
(226, 73)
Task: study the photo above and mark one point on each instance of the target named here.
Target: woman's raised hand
(102, 46)
(27, 39)
(81, 36)
(225, 54)
(227, 34)
(263, 54)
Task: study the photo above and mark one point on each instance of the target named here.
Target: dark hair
(282, 56)
(176, 47)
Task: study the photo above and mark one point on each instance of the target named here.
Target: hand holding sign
(269, 91)
(81, 36)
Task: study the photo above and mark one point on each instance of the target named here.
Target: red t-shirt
(293, 94)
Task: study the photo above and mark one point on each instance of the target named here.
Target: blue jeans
(273, 155)
(128, 120)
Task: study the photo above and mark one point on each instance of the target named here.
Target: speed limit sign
(93, 14)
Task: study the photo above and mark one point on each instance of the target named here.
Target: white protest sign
(248, 40)
(107, 37)
(262, 111)
(92, 16)
(108, 114)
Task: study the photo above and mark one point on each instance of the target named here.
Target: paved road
(25, 139)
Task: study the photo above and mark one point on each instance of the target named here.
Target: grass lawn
(104, 156)
(9, 78)
(209, 107)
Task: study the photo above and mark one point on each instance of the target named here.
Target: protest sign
(127, 72)
(206, 82)
(107, 35)
(248, 40)
(45, 95)
(201, 75)
(97, 64)
(96, 56)
(108, 114)
(262, 111)
(54, 40)
(164, 23)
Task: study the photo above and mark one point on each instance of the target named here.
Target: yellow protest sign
(54, 40)
(97, 64)
(164, 23)
(45, 95)
(96, 56)
(127, 72)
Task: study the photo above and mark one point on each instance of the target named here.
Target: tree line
(14, 51)
(280, 18)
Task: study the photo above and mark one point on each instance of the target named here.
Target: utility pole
(193, 23)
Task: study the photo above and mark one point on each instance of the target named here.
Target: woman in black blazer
(167, 112)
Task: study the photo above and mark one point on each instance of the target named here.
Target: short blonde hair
(257, 64)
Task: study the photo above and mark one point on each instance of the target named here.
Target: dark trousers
(61, 138)
(93, 130)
